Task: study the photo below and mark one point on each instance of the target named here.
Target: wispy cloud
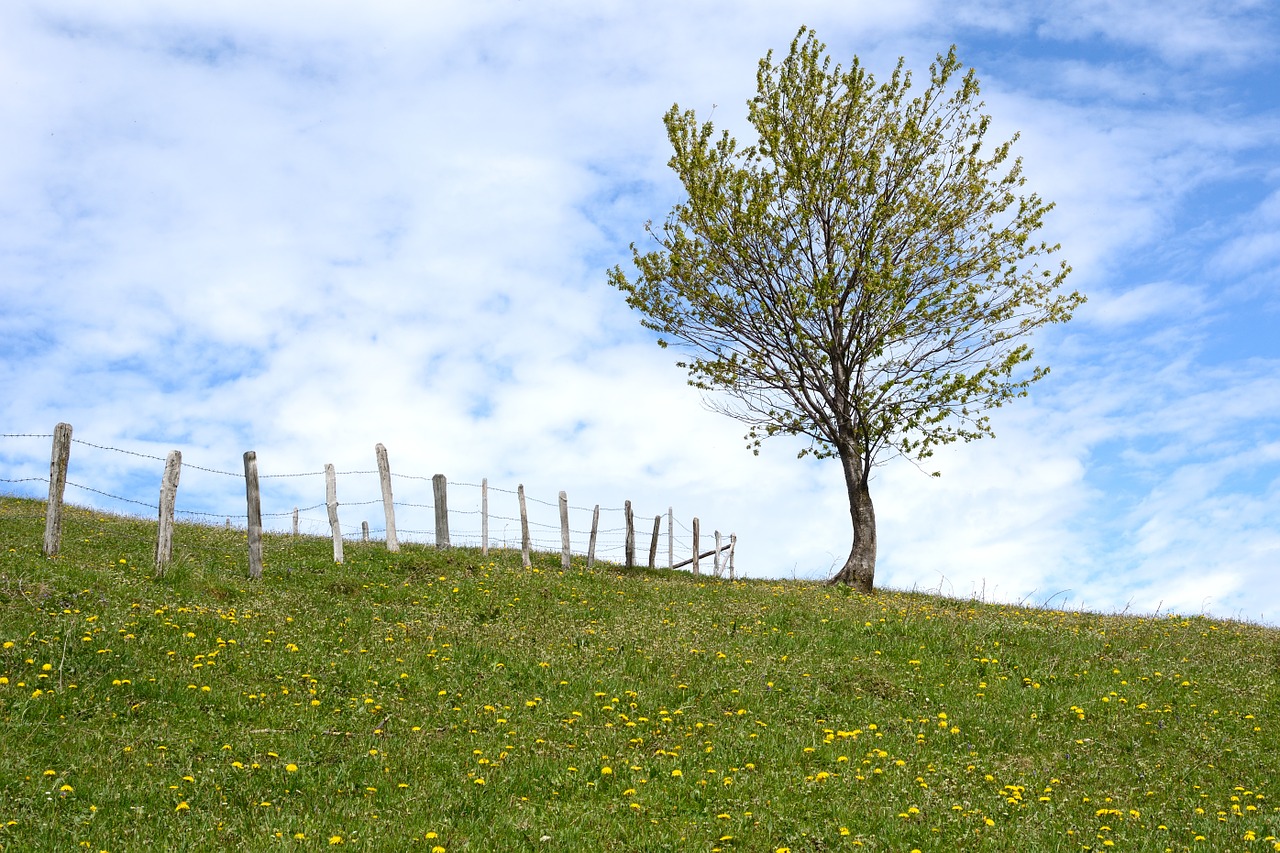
(306, 228)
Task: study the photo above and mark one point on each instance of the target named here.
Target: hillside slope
(436, 700)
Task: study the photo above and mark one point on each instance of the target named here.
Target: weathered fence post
(591, 545)
(295, 522)
(58, 461)
(653, 545)
(716, 558)
(388, 505)
(564, 531)
(254, 500)
(695, 545)
(733, 544)
(631, 536)
(228, 523)
(331, 502)
(440, 489)
(524, 528)
(484, 517)
(364, 531)
(168, 497)
(671, 537)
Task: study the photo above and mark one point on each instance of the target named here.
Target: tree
(864, 276)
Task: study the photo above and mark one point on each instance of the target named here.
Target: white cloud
(305, 229)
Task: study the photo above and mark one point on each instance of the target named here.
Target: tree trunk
(859, 570)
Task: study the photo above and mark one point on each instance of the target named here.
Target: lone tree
(863, 276)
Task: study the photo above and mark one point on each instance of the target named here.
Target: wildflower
(676, 773)
(335, 839)
(181, 807)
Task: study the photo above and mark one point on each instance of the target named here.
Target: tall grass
(435, 700)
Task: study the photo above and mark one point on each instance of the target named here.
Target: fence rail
(445, 532)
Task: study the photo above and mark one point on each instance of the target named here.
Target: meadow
(441, 701)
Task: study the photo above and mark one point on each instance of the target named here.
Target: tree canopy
(865, 275)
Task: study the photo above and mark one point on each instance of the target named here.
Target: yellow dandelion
(182, 807)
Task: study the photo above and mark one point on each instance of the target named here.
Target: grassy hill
(440, 701)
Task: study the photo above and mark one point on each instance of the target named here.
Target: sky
(304, 229)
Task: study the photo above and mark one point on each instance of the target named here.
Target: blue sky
(305, 228)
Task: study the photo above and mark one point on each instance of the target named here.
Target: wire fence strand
(608, 540)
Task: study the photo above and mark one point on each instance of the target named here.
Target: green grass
(434, 699)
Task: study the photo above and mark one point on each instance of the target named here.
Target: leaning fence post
(168, 497)
(591, 544)
(695, 545)
(564, 531)
(524, 528)
(484, 517)
(57, 487)
(331, 502)
(254, 500)
(388, 505)
(653, 545)
(631, 536)
(440, 488)
(716, 559)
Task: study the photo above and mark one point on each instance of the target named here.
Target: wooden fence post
(564, 531)
(388, 505)
(168, 497)
(716, 558)
(295, 522)
(733, 544)
(653, 545)
(254, 500)
(364, 531)
(591, 545)
(671, 537)
(631, 536)
(58, 461)
(484, 517)
(440, 488)
(331, 502)
(695, 546)
(524, 528)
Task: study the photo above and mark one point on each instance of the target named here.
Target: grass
(435, 700)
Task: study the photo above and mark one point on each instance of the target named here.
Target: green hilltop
(444, 701)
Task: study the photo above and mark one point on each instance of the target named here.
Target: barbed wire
(113, 497)
(603, 536)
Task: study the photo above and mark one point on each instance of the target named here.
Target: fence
(446, 531)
